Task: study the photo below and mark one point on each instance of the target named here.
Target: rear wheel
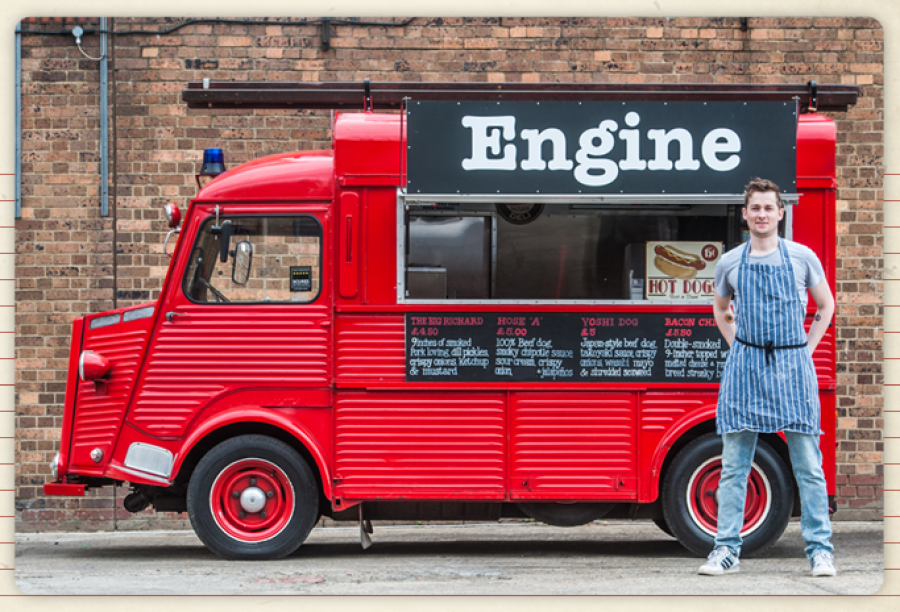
(252, 497)
(691, 502)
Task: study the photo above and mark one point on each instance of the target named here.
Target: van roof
(299, 175)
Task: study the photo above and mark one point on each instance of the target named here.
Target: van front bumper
(61, 488)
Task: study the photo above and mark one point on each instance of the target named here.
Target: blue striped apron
(776, 389)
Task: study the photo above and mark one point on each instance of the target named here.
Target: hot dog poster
(681, 270)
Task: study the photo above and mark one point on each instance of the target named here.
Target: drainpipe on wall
(18, 160)
(111, 52)
(78, 32)
(104, 124)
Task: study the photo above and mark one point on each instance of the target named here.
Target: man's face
(762, 214)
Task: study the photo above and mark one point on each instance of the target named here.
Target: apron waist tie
(769, 348)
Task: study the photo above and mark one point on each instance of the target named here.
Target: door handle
(170, 316)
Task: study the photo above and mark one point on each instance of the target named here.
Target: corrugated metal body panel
(348, 240)
(98, 417)
(370, 348)
(207, 350)
(824, 358)
(659, 411)
(380, 246)
(572, 445)
(827, 443)
(420, 445)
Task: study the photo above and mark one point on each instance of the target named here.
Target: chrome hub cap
(253, 499)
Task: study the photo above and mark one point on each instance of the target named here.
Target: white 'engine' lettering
(721, 140)
(493, 149)
(588, 155)
(484, 138)
(536, 139)
(663, 139)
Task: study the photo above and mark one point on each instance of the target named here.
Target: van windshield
(284, 266)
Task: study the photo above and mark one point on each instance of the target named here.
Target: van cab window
(245, 259)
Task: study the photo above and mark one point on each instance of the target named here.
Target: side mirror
(243, 256)
(224, 232)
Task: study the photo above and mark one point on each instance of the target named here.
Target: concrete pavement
(604, 557)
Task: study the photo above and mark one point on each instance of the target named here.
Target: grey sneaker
(720, 561)
(822, 563)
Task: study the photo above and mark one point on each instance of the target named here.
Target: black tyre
(252, 497)
(690, 501)
(663, 525)
(565, 515)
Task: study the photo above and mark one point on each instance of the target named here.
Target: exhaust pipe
(137, 501)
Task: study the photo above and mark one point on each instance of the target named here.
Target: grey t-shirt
(807, 268)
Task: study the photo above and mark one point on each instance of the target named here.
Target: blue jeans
(806, 460)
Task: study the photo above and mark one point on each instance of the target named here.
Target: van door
(225, 328)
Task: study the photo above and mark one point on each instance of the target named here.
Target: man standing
(769, 383)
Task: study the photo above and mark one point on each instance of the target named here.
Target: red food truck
(493, 303)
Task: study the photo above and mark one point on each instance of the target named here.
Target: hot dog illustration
(676, 263)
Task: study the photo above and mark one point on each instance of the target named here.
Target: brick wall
(65, 249)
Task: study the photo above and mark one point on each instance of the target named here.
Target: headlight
(54, 467)
(173, 214)
(92, 366)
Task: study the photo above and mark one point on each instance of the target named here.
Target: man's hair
(759, 185)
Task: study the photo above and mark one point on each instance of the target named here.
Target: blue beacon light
(213, 165)
(213, 162)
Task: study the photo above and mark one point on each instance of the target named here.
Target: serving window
(547, 252)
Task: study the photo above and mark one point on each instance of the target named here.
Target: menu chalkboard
(563, 347)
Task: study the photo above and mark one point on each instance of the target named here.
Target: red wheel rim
(703, 503)
(252, 500)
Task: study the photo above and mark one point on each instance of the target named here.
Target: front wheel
(252, 497)
(690, 497)
(662, 524)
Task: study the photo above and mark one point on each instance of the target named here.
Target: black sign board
(301, 278)
(599, 147)
(563, 347)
